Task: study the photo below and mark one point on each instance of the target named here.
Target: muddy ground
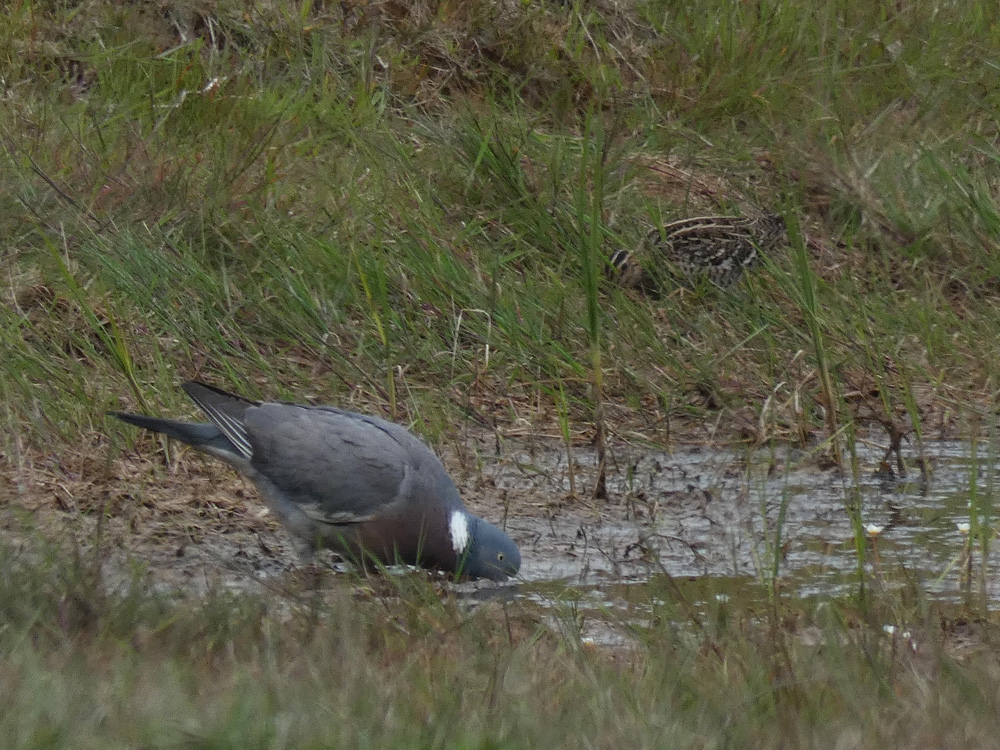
(695, 511)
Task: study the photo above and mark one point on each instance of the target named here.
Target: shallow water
(711, 519)
(685, 533)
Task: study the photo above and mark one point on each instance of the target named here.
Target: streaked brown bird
(716, 248)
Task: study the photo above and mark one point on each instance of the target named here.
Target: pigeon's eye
(499, 556)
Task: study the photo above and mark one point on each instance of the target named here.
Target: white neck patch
(458, 527)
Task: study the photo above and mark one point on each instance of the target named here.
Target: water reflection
(697, 514)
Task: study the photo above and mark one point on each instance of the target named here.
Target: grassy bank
(406, 208)
(394, 205)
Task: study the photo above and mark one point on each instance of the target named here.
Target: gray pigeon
(364, 487)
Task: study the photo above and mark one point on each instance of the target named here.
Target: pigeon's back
(342, 467)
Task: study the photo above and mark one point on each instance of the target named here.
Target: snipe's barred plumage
(717, 248)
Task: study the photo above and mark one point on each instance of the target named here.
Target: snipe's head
(770, 230)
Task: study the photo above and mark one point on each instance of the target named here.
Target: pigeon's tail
(203, 436)
(226, 410)
(208, 395)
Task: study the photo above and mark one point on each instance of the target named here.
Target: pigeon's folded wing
(337, 467)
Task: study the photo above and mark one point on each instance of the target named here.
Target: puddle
(714, 516)
(701, 526)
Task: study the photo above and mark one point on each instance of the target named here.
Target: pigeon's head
(484, 551)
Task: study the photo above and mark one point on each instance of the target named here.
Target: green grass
(403, 665)
(404, 208)
(207, 191)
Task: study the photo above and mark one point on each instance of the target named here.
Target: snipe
(716, 248)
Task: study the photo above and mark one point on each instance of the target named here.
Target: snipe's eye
(500, 556)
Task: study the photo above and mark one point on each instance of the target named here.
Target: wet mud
(715, 523)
